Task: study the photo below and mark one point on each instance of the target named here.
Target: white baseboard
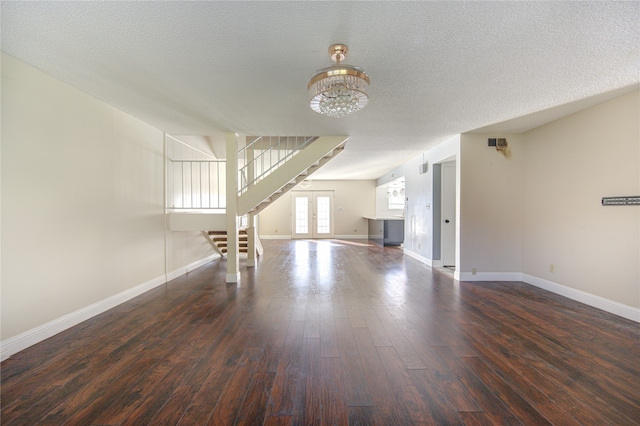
(418, 257)
(351, 237)
(616, 308)
(490, 276)
(335, 237)
(190, 267)
(22, 341)
(38, 334)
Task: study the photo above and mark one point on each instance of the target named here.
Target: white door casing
(448, 234)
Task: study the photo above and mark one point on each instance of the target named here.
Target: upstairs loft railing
(196, 180)
(263, 155)
(196, 185)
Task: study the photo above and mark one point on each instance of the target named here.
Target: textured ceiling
(437, 68)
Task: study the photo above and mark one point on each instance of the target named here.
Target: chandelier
(338, 90)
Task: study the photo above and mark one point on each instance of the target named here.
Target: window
(324, 215)
(396, 199)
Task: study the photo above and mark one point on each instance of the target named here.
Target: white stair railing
(265, 154)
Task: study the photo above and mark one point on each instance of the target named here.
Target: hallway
(332, 332)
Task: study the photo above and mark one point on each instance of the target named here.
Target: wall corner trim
(616, 308)
(38, 334)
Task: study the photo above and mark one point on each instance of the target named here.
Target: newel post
(233, 269)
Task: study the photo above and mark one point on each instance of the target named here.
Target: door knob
(446, 221)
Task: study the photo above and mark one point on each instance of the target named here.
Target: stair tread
(240, 231)
(240, 237)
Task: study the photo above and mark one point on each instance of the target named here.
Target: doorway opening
(448, 215)
(444, 217)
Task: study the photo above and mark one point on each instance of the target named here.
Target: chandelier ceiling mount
(338, 90)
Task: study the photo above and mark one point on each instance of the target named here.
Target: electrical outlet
(552, 268)
(473, 271)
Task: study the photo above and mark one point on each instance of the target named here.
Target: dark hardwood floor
(332, 332)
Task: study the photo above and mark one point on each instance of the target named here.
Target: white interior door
(312, 214)
(448, 234)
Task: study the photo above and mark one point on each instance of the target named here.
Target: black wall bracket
(621, 201)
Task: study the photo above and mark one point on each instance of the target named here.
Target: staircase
(256, 196)
(267, 167)
(218, 240)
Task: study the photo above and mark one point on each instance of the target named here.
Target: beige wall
(353, 199)
(490, 205)
(537, 215)
(570, 165)
(82, 202)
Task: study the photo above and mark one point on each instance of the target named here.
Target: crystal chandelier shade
(338, 90)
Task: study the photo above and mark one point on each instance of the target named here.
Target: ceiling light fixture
(338, 90)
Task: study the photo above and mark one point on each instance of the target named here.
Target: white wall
(186, 251)
(82, 204)
(197, 148)
(570, 164)
(353, 199)
(420, 240)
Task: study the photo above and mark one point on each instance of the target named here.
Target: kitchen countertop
(384, 218)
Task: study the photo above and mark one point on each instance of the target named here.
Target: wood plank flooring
(332, 332)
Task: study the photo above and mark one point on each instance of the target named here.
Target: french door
(312, 214)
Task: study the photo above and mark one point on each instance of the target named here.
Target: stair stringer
(298, 168)
(289, 186)
(207, 224)
(213, 243)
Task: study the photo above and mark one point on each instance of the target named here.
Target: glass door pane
(302, 215)
(323, 215)
(301, 226)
